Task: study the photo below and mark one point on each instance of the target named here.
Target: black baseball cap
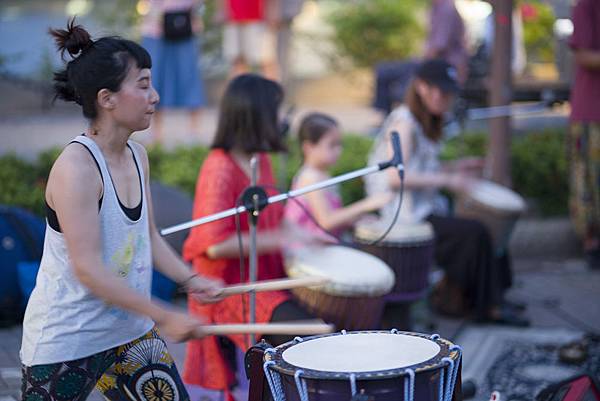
(439, 73)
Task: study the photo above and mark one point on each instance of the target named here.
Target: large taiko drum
(407, 249)
(382, 365)
(496, 206)
(354, 297)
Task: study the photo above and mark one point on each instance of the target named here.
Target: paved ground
(560, 292)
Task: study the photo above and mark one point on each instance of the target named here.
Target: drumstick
(273, 285)
(267, 328)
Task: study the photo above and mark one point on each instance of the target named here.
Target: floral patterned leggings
(584, 202)
(140, 370)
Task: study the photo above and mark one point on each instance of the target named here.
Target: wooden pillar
(498, 156)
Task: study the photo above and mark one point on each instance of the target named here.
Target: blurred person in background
(170, 32)
(248, 43)
(280, 15)
(584, 135)
(446, 39)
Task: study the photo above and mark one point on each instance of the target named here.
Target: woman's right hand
(378, 200)
(459, 183)
(179, 327)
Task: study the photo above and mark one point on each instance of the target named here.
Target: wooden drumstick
(266, 328)
(274, 285)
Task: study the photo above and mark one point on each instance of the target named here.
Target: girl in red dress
(248, 126)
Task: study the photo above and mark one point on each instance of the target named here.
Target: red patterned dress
(220, 183)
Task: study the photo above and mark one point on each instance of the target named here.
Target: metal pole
(276, 198)
(253, 254)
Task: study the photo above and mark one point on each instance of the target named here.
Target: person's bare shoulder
(74, 170)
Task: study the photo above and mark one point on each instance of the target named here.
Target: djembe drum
(379, 365)
(497, 207)
(354, 297)
(407, 249)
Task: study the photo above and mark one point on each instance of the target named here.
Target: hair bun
(74, 39)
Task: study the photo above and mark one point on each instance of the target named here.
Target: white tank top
(64, 321)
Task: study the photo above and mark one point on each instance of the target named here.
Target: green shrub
(178, 167)
(21, 185)
(539, 168)
(370, 31)
(538, 24)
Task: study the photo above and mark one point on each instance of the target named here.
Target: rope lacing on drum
(273, 378)
(449, 374)
(301, 385)
(353, 384)
(409, 385)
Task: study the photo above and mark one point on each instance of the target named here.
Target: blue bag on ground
(21, 240)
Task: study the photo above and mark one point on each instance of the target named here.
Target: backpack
(21, 244)
(177, 25)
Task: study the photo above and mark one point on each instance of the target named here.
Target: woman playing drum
(90, 320)
(463, 247)
(247, 127)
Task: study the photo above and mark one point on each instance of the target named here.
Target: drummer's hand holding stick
(459, 183)
(203, 289)
(468, 165)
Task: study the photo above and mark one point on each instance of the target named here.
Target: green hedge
(539, 169)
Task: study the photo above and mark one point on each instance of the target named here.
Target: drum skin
(385, 385)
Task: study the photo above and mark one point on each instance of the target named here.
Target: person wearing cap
(474, 279)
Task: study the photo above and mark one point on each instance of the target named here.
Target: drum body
(407, 249)
(354, 298)
(384, 365)
(497, 207)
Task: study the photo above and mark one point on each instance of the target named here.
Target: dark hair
(431, 124)
(95, 65)
(248, 116)
(314, 126)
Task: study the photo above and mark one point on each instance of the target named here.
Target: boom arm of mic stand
(281, 197)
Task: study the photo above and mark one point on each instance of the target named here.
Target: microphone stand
(255, 199)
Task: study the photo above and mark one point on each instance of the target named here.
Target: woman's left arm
(165, 258)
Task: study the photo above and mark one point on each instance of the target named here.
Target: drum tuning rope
(273, 378)
(449, 374)
(409, 385)
(301, 385)
(353, 384)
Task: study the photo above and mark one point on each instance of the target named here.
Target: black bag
(177, 25)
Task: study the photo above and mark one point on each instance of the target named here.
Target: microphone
(284, 125)
(397, 159)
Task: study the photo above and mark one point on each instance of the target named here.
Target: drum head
(367, 354)
(401, 233)
(498, 197)
(352, 272)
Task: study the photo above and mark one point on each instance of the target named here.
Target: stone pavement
(560, 293)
